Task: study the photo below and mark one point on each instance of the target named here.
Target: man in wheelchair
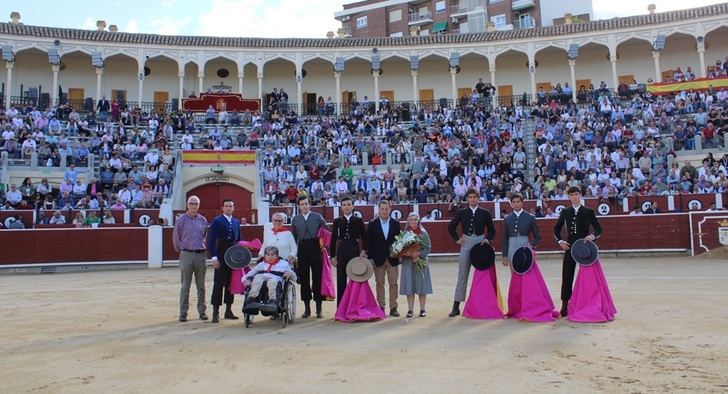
(272, 270)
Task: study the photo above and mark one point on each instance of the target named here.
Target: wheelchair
(284, 309)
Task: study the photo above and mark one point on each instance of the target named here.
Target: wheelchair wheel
(291, 303)
(248, 318)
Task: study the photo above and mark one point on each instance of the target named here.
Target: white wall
(319, 79)
(635, 58)
(593, 63)
(163, 78)
(553, 67)
(510, 69)
(31, 70)
(716, 46)
(120, 73)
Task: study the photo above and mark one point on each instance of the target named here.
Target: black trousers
(567, 275)
(309, 269)
(221, 280)
(346, 250)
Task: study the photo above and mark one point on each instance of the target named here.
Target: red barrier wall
(30, 246)
(33, 246)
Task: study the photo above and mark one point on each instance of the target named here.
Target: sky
(239, 18)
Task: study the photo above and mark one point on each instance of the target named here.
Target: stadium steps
(529, 141)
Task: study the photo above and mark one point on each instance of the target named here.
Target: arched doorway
(212, 195)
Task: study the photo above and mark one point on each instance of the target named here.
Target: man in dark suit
(578, 220)
(517, 226)
(103, 108)
(474, 222)
(224, 232)
(348, 240)
(380, 237)
(305, 227)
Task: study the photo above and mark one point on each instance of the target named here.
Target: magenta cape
(358, 304)
(328, 291)
(529, 298)
(591, 301)
(484, 300)
(236, 280)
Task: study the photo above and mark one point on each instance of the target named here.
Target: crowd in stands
(608, 144)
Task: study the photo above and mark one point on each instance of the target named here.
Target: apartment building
(398, 18)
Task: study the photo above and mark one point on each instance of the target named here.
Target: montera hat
(522, 260)
(237, 257)
(482, 256)
(584, 252)
(359, 269)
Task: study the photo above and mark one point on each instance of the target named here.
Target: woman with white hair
(280, 237)
(415, 278)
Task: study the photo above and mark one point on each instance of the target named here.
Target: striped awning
(227, 157)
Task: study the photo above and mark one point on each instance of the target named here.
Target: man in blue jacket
(224, 232)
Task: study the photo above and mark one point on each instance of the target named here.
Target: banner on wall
(207, 157)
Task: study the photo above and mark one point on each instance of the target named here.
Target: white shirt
(518, 213)
(283, 240)
(473, 209)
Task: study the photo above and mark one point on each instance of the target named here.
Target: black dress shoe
(393, 312)
(423, 313)
(183, 319)
(455, 311)
(306, 315)
(409, 314)
(319, 315)
(229, 316)
(215, 318)
(203, 316)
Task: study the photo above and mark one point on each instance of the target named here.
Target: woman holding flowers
(415, 274)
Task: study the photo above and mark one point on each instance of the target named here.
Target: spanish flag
(234, 157)
(696, 84)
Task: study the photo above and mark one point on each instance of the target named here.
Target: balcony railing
(524, 23)
(458, 10)
(420, 17)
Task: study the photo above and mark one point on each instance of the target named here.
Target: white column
(99, 74)
(615, 78)
(375, 96)
(9, 67)
(532, 73)
(181, 76)
(492, 82)
(701, 55)
(141, 88)
(201, 83)
(260, 89)
(337, 76)
(299, 93)
(658, 74)
(241, 75)
(415, 91)
(572, 64)
(454, 85)
(54, 87)
(154, 247)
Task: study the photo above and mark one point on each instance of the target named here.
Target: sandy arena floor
(118, 332)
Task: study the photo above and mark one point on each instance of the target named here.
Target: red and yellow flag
(229, 157)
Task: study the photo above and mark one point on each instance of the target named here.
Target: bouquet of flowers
(407, 244)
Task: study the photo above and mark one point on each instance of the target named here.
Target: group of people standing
(301, 246)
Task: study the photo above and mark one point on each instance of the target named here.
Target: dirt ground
(117, 331)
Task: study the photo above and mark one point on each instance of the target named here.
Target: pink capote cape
(484, 300)
(529, 298)
(591, 300)
(328, 291)
(358, 304)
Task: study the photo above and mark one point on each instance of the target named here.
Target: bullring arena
(107, 136)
